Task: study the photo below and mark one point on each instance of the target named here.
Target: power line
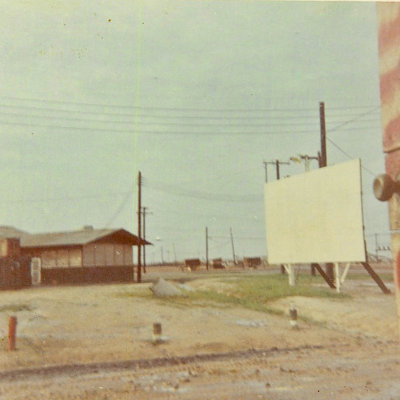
(183, 109)
(157, 116)
(177, 191)
(137, 121)
(159, 132)
(65, 198)
(335, 128)
(120, 208)
(349, 155)
(238, 237)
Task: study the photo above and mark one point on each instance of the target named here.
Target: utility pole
(306, 159)
(266, 169)
(324, 163)
(233, 248)
(173, 248)
(207, 248)
(139, 266)
(277, 164)
(324, 160)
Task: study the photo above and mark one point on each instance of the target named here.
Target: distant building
(86, 255)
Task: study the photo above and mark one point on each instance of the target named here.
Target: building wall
(107, 254)
(3, 248)
(93, 254)
(59, 258)
(10, 247)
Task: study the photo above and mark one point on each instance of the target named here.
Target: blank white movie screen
(316, 216)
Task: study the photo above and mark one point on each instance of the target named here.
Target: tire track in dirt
(149, 363)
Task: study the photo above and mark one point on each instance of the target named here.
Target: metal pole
(139, 266)
(233, 248)
(207, 248)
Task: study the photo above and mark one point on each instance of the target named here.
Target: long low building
(85, 255)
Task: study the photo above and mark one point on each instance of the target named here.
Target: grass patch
(255, 292)
(364, 276)
(259, 292)
(135, 291)
(15, 308)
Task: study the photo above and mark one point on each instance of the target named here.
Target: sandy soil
(355, 351)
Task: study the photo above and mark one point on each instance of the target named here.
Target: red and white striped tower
(388, 15)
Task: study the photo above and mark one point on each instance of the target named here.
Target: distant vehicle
(217, 263)
(252, 262)
(192, 263)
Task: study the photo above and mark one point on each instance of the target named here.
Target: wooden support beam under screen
(376, 278)
(324, 275)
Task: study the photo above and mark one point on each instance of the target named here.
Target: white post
(290, 270)
(345, 272)
(337, 277)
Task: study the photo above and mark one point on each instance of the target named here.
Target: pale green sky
(197, 94)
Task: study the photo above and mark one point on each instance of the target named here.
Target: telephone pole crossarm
(277, 164)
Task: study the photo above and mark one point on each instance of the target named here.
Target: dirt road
(344, 349)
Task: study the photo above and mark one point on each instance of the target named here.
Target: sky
(194, 94)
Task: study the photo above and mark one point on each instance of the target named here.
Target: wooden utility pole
(323, 159)
(277, 164)
(207, 248)
(139, 260)
(233, 248)
(324, 163)
(278, 175)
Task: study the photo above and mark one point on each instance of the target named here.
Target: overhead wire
(64, 198)
(120, 207)
(178, 191)
(163, 116)
(182, 109)
(341, 125)
(233, 124)
(159, 132)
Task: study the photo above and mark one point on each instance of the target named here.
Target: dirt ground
(95, 342)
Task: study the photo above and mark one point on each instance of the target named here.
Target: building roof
(9, 232)
(71, 238)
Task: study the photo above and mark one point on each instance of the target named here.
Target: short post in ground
(157, 331)
(12, 332)
(293, 317)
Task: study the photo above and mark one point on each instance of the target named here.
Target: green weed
(15, 307)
